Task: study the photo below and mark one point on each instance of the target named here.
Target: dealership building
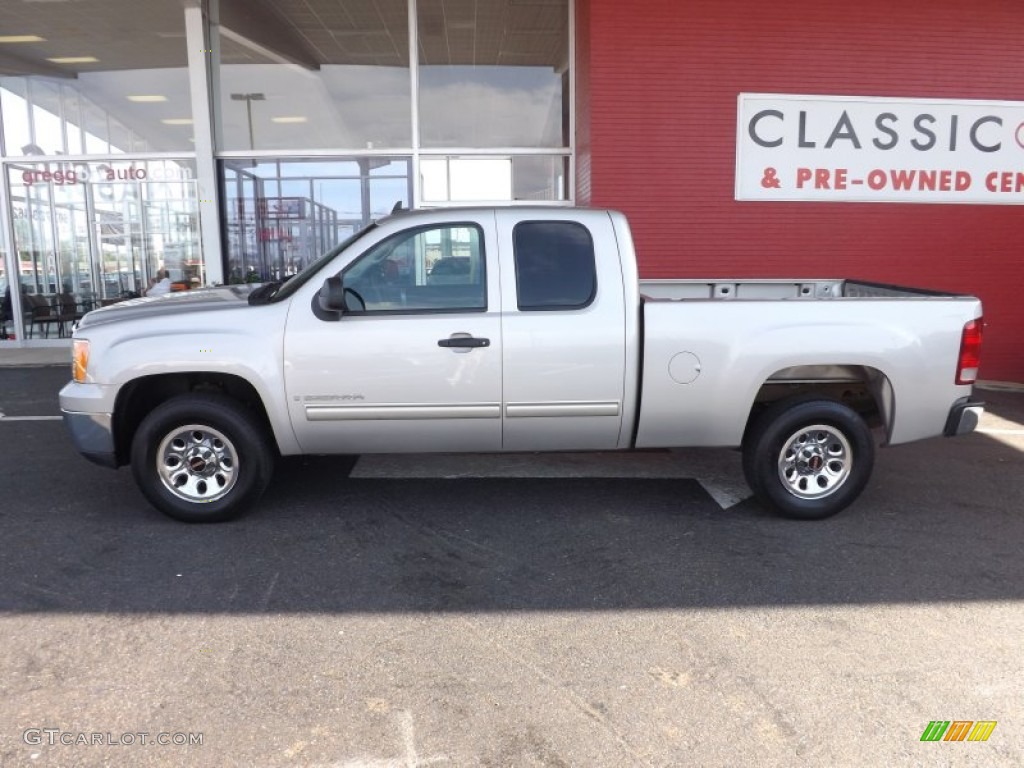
(233, 141)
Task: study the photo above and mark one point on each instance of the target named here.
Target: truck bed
(695, 289)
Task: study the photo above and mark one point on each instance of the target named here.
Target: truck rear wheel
(808, 459)
(201, 458)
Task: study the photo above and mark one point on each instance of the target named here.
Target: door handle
(464, 341)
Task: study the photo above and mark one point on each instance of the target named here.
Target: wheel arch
(864, 388)
(138, 397)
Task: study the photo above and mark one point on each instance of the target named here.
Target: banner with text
(844, 148)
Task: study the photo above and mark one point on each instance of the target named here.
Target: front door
(415, 364)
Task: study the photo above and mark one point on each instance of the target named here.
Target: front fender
(126, 352)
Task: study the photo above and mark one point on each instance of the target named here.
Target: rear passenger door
(563, 331)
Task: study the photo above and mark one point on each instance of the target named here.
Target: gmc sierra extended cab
(515, 329)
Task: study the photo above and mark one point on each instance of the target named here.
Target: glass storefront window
(540, 177)
(349, 90)
(126, 89)
(493, 74)
(486, 178)
(14, 109)
(72, 104)
(46, 123)
(281, 216)
(89, 233)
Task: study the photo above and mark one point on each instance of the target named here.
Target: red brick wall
(656, 117)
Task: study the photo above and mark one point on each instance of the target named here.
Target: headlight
(79, 359)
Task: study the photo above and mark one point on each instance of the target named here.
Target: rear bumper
(963, 417)
(93, 436)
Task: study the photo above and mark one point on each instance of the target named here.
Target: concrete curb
(1000, 386)
(18, 357)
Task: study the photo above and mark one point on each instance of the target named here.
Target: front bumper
(93, 436)
(963, 417)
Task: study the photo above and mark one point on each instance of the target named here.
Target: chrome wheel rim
(197, 463)
(815, 461)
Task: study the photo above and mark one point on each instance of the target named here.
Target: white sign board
(844, 148)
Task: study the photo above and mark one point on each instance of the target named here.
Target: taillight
(970, 352)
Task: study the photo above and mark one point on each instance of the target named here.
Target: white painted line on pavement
(718, 471)
(993, 431)
(30, 418)
(718, 474)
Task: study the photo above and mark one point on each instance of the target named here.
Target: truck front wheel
(808, 459)
(201, 458)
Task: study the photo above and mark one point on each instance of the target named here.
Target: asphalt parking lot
(582, 613)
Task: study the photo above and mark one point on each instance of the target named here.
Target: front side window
(430, 269)
(555, 266)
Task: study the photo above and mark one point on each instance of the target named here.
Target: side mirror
(332, 295)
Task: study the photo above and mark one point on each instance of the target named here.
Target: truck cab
(524, 348)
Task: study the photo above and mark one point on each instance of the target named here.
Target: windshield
(309, 272)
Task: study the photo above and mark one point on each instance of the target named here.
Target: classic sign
(847, 148)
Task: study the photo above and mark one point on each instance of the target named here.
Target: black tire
(808, 459)
(217, 460)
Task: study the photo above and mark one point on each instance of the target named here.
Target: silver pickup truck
(515, 329)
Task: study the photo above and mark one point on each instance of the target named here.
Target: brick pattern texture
(657, 86)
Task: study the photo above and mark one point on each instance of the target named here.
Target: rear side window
(554, 265)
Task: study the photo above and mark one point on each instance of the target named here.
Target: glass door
(143, 227)
(75, 268)
(120, 239)
(56, 275)
(171, 232)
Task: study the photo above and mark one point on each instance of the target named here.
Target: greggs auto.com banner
(865, 149)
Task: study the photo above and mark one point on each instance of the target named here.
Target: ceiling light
(74, 60)
(289, 119)
(177, 121)
(147, 99)
(22, 39)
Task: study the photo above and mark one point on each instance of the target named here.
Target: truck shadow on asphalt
(940, 522)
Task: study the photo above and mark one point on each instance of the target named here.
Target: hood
(198, 299)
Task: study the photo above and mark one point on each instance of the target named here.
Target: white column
(414, 92)
(200, 66)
